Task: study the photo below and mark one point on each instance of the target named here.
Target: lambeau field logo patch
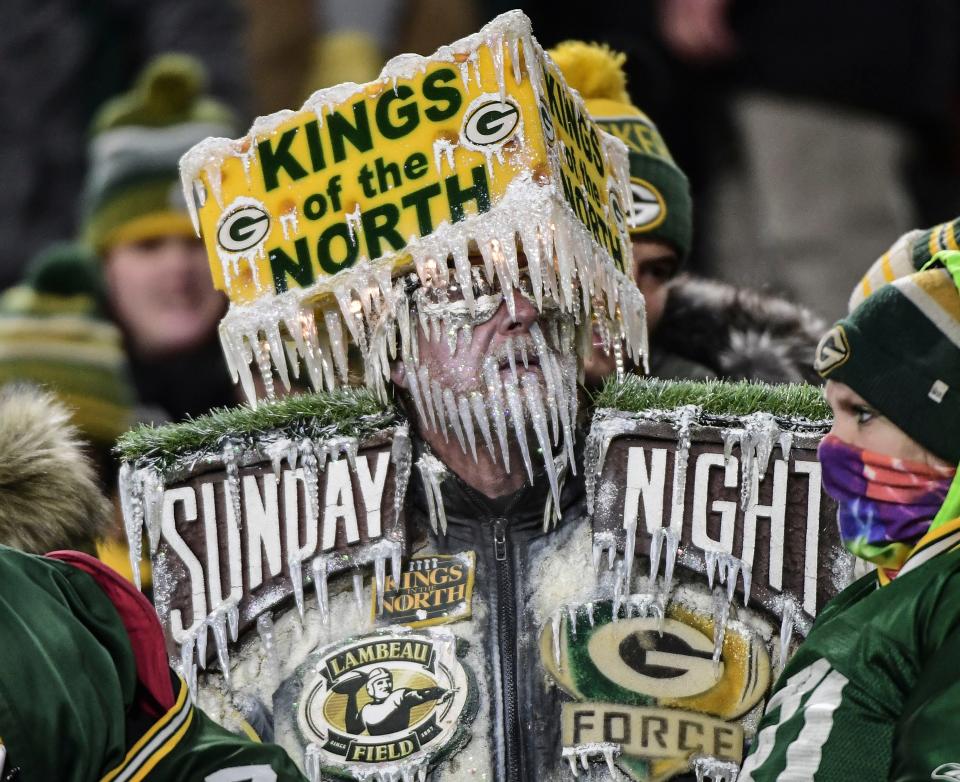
(390, 698)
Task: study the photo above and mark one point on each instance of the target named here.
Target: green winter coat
(82, 698)
(874, 691)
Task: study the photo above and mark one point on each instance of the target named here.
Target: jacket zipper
(506, 619)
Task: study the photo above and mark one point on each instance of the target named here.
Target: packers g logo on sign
(243, 228)
(490, 121)
(832, 352)
(649, 208)
(618, 216)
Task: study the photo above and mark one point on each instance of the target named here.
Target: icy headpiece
(312, 219)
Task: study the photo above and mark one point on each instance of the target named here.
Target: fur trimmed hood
(49, 495)
(740, 333)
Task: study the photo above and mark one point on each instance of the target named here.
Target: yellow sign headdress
(477, 150)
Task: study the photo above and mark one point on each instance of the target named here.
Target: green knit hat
(662, 207)
(900, 350)
(133, 189)
(53, 334)
(910, 253)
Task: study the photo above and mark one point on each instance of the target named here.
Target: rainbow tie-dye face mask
(886, 503)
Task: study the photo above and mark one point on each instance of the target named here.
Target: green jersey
(873, 692)
(85, 696)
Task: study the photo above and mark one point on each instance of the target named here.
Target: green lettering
(272, 161)
(421, 200)
(457, 197)
(324, 256)
(300, 269)
(358, 134)
(407, 113)
(433, 90)
(375, 230)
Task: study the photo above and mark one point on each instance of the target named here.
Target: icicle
(401, 456)
(218, 624)
(453, 416)
(589, 608)
(713, 769)
(491, 375)
(579, 756)
(432, 472)
(556, 623)
(515, 404)
(358, 589)
(466, 420)
(319, 568)
(511, 360)
(229, 458)
(311, 477)
(721, 611)
(188, 666)
(337, 344)
(786, 444)
(786, 630)
(603, 543)
(130, 483)
(533, 395)
(267, 638)
(296, 579)
(480, 413)
(380, 576)
(312, 761)
(436, 393)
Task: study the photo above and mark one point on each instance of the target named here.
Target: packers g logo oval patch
(649, 207)
(243, 227)
(490, 121)
(659, 687)
(832, 352)
(390, 697)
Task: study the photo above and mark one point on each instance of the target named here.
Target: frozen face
(498, 367)
(857, 422)
(655, 263)
(162, 295)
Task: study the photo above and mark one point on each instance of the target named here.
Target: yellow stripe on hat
(937, 301)
(886, 268)
(951, 236)
(933, 246)
(150, 226)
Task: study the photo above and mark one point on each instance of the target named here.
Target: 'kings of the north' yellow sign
(363, 171)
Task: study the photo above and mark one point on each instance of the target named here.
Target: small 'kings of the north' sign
(432, 590)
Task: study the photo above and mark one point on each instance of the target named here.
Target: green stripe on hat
(900, 350)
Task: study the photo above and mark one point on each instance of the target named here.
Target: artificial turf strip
(342, 413)
(635, 394)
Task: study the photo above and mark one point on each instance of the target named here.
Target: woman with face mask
(874, 691)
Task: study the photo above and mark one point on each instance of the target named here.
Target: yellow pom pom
(594, 70)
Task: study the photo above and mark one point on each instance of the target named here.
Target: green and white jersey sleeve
(870, 694)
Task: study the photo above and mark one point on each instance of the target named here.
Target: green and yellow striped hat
(53, 334)
(900, 350)
(133, 189)
(910, 253)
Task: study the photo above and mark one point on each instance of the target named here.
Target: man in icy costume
(474, 309)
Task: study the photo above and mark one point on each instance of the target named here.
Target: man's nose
(525, 315)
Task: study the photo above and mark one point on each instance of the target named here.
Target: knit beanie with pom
(662, 207)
